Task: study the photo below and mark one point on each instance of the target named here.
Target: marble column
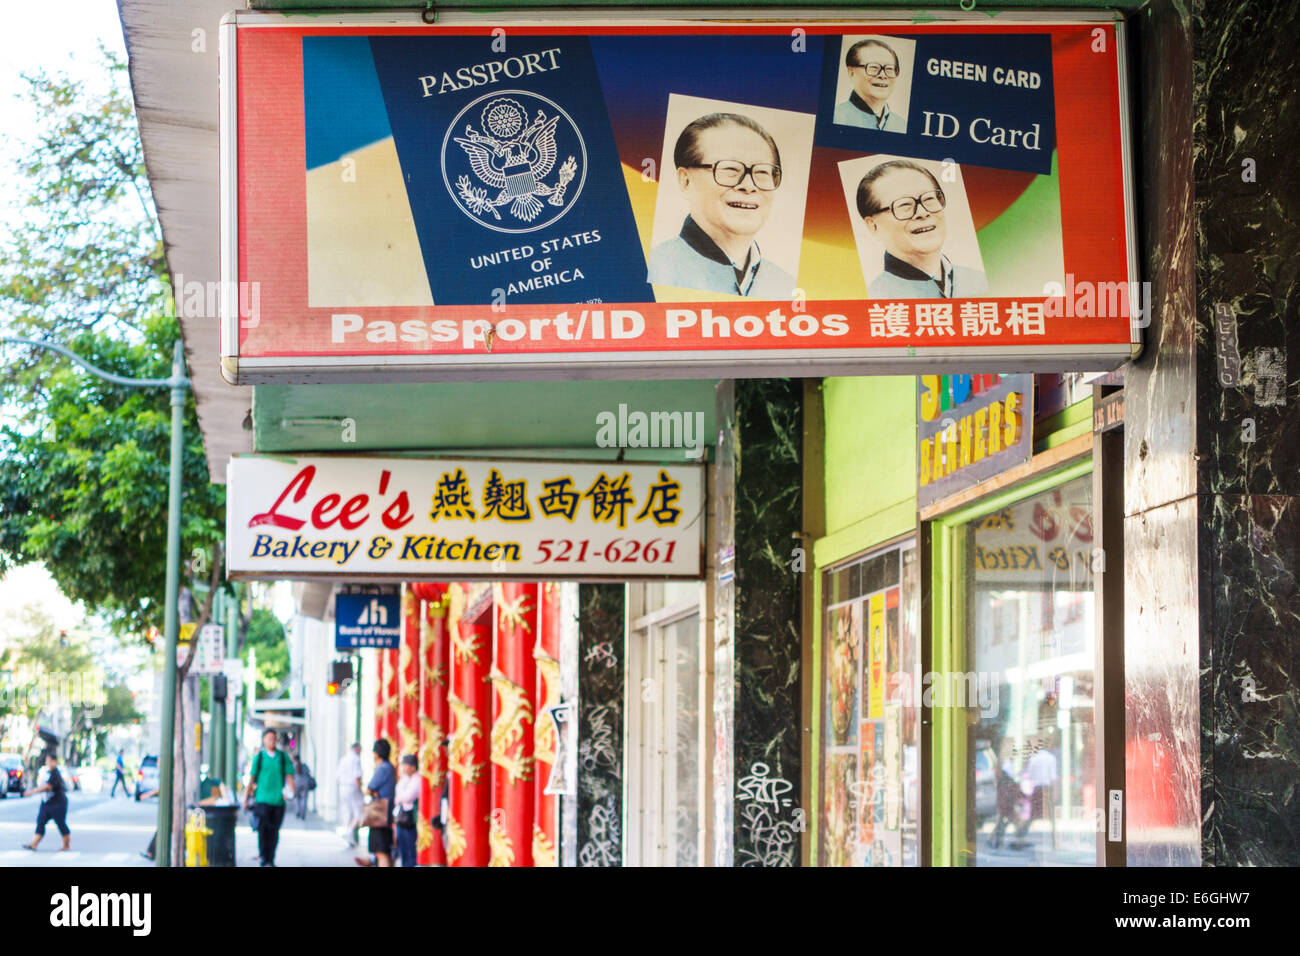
(757, 711)
(1247, 214)
(600, 724)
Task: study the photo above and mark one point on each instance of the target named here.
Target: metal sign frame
(485, 364)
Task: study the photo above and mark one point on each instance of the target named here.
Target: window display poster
(876, 659)
(845, 650)
(866, 788)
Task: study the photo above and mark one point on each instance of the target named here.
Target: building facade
(1079, 654)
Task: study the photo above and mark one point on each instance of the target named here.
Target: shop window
(870, 736)
(1017, 737)
(664, 805)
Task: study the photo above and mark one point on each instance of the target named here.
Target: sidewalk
(310, 842)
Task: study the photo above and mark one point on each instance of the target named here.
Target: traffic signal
(218, 687)
(340, 675)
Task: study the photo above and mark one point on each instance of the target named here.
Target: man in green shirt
(269, 777)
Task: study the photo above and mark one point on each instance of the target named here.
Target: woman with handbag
(408, 801)
(378, 814)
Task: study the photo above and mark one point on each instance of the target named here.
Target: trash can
(221, 844)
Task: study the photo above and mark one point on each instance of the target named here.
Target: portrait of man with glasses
(873, 69)
(905, 210)
(728, 170)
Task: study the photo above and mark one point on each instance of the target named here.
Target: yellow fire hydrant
(196, 839)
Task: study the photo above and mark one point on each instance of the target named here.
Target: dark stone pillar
(600, 724)
(766, 658)
(1247, 148)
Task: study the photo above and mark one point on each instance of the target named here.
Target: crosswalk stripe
(83, 858)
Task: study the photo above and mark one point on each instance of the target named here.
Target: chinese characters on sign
(440, 518)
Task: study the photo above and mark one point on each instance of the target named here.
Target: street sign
(439, 202)
(368, 615)
(440, 519)
(211, 651)
(233, 668)
(184, 638)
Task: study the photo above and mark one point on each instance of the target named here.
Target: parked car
(146, 778)
(11, 765)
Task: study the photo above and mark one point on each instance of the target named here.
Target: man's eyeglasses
(878, 69)
(905, 208)
(730, 172)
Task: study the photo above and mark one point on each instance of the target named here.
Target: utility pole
(167, 754)
(231, 766)
(217, 732)
(179, 385)
(250, 681)
(356, 690)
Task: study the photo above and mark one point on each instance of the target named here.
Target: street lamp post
(231, 749)
(179, 385)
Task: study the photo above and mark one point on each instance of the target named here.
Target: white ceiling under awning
(172, 45)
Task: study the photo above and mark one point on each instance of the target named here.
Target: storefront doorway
(666, 725)
(1015, 732)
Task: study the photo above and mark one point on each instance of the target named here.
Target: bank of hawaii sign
(416, 518)
(494, 196)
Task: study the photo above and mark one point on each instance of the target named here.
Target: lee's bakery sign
(494, 196)
(412, 518)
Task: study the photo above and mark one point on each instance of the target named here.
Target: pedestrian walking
(303, 784)
(351, 793)
(1009, 800)
(408, 803)
(54, 805)
(1042, 775)
(379, 813)
(119, 776)
(268, 778)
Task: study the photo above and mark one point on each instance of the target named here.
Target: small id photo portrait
(729, 209)
(913, 228)
(874, 85)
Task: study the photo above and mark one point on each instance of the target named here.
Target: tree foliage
(84, 466)
(86, 253)
(266, 634)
